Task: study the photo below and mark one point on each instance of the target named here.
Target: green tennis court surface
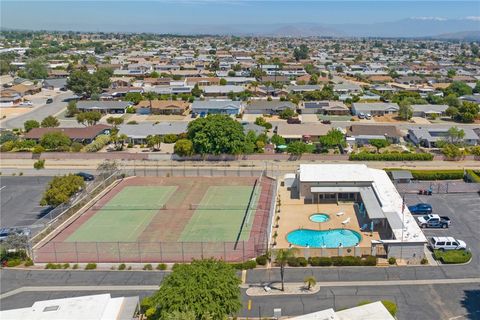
(125, 216)
(215, 224)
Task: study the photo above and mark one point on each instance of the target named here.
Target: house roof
(270, 105)
(61, 82)
(375, 106)
(89, 132)
(104, 105)
(223, 89)
(373, 130)
(325, 105)
(297, 131)
(142, 130)
(216, 104)
(429, 108)
(162, 104)
(439, 133)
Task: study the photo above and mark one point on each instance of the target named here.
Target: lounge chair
(346, 221)
(341, 213)
(364, 227)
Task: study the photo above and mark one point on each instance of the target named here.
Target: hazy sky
(149, 15)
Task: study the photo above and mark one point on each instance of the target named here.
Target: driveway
(38, 113)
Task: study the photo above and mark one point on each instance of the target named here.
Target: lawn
(452, 256)
(220, 215)
(125, 216)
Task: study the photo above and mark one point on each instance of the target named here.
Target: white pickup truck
(434, 221)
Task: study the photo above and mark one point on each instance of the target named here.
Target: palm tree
(282, 257)
(310, 281)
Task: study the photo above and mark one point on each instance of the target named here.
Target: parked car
(293, 121)
(26, 103)
(361, 115)
(49, 100)
(6, 232)
(447, 243)
(420, 208)
(434, 221)
(86, 176)
(326, 122)
(368, 116)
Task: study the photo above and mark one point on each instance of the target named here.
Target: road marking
(322, 284)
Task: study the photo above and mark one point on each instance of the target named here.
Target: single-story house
(171, 89)
(119, 92)
(325, 107)
(55, 84)
(103, 106)
(427, 110)
(57, 73)
(83, 135)
(248, 126)
(376, 108)
(429, 136)
(303, 88)
(161, 107)
(202, 81)
(138, 133)
(268, 107)
(222, 90)
(22, 90)
(347, 88)
(471, 98)
(272, 79)
(217, 107)
(362, 133)
(9, 100)
(303, 131)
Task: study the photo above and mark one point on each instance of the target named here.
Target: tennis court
(168, 219)
(219, 215)
(125, 216)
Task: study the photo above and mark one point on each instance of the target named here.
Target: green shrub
(302, 261)
(122, 266)
(129, 268)
(320, 261)
(365, 156)
(369, 261)
(473, 176)
(170, 138)
(38, 149)
(147, 267)
(452, 256)
(13, 263)
(293, 262)
(161, 266)
(99, 142)
(91, 266)
(66, 265)
(392, 260)
(40, 164)
(53, 266)
(390, 306)
(424, 261)
(75, 266)
(250, 264)
(76, 147)
(261, 260)
(28, 262)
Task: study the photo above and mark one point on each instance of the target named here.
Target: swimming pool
(324, 238)
(319, 217)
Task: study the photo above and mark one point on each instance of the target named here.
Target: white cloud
(429, 18)
(474, 18)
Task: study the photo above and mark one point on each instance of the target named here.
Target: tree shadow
(471, 303)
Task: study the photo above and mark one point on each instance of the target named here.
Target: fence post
(161, 254)
(183, 256)
(55, 251)
(118, 248)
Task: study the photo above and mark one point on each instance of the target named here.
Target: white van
(447, 243)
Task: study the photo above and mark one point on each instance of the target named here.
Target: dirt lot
(13, 111)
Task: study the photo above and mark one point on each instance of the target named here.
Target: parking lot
(20, 197)
(463, 209)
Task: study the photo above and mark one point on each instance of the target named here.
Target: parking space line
(2, 188)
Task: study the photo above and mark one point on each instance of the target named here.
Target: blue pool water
(324, 238)
(319, 217)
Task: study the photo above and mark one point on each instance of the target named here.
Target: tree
(196, 91)
(333, 138)
(154, 74)
(115, 121)
(379, 143)
(154, 141)
(72, 109)
(55, 140)
(35, 69)
(286, 114)
(452, 152)
(216, 134)
(207, 288)
(459, 88)
(310, 281)
(89, 118)
(30, 124)
(477, 87)
(467, 112)
(277, 140)
(451, 73)
(61, 188)
(81, 82)
(107, 167)
(50, 122)
(183, 147)
(405, 111)
(297, 148)
(301, 53)
(260, 121)
(281, 259)
(455, 135)
(134, 97)
(223, 82)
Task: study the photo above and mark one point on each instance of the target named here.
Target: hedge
(473, 175)
(452, 256)
(250, 264)
(365, 156)
(434, 174)
(343, 261)
(261, 260)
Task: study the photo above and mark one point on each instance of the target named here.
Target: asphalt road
(38, 113)
(19, 200)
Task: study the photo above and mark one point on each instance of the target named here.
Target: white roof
(334, 173)
(371, 311)
(94, 307)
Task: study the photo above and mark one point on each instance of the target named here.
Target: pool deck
(294, 214)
